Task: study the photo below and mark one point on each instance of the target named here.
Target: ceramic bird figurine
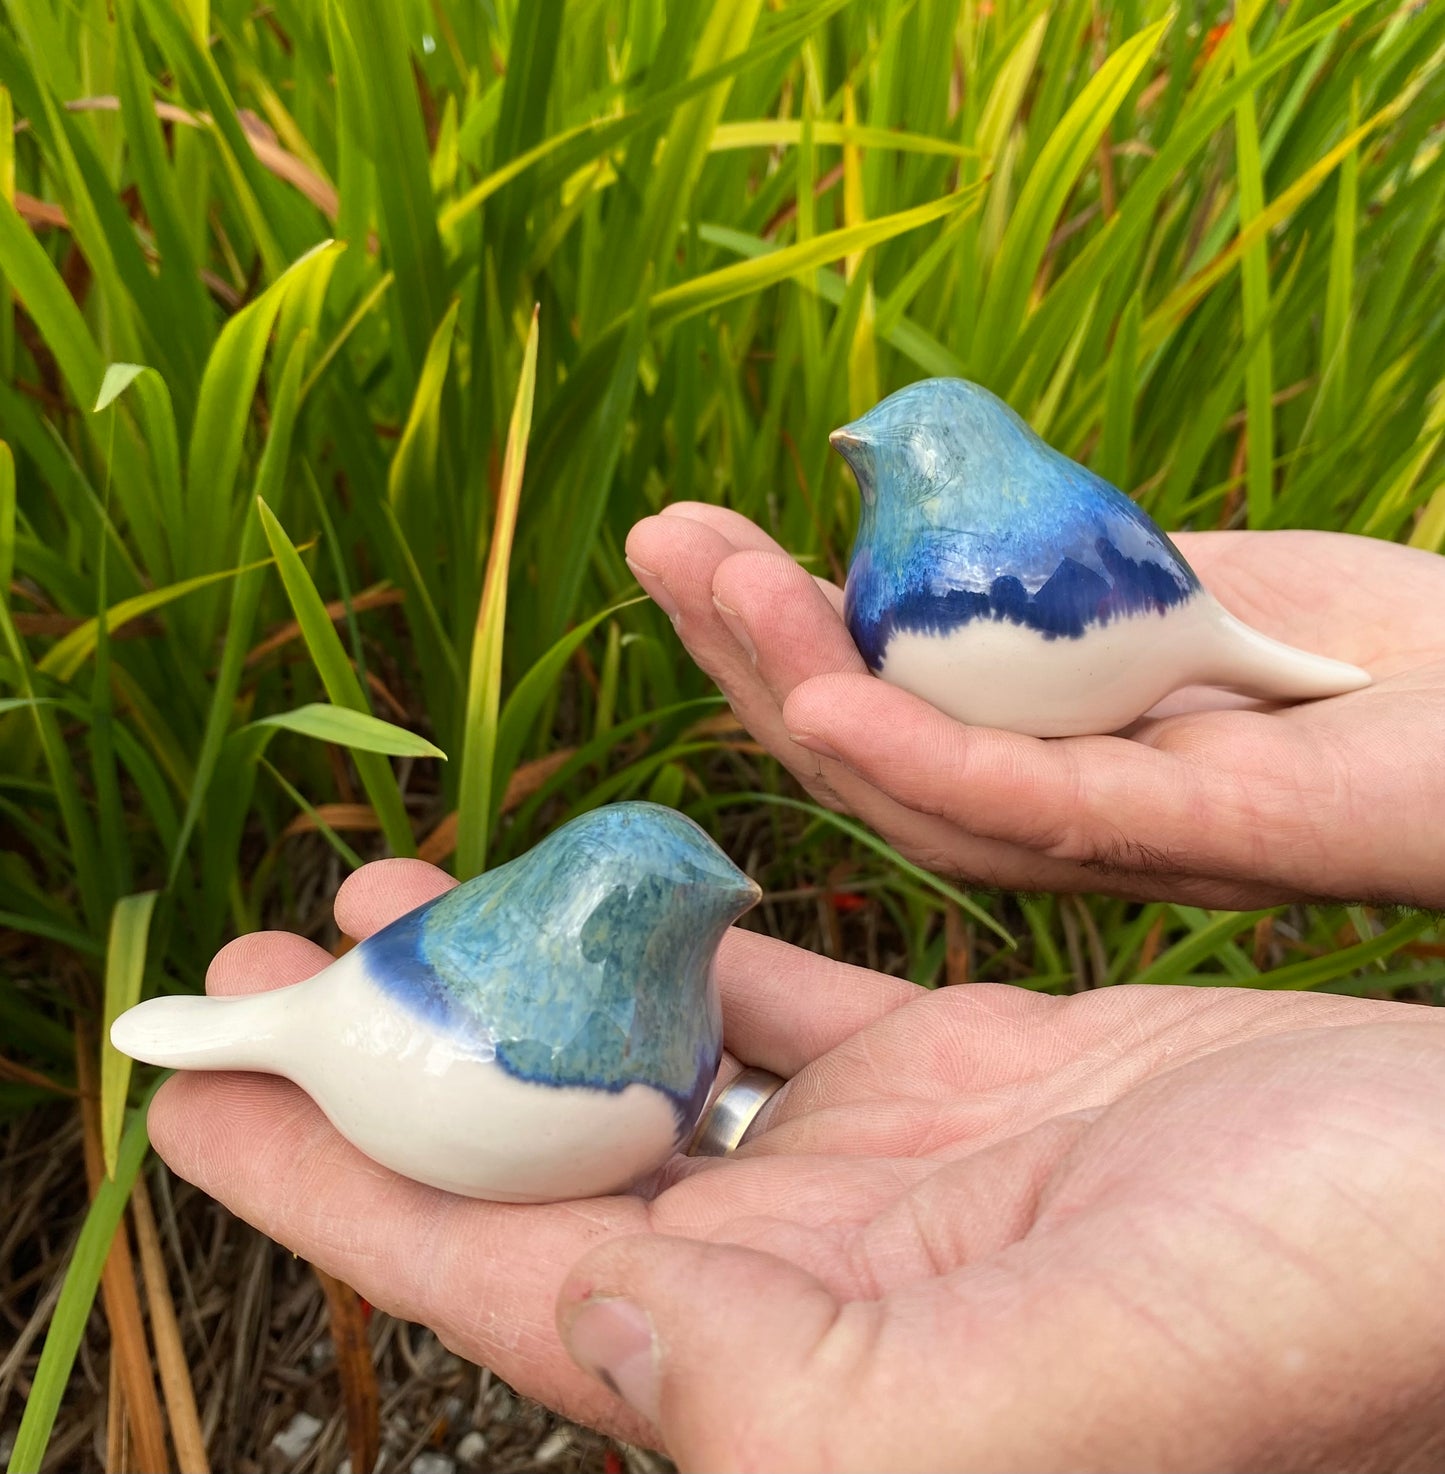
(548, 1030)
(1011, 587)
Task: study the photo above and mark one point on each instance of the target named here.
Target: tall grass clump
(341, 344)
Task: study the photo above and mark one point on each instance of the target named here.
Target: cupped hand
(1232, 808)
(978, 1229)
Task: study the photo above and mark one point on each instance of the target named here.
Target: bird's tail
(257, 1031)
(1241, 659)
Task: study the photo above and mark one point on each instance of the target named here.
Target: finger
(738, 530)
(783, 1006)
(708, 1342)
(262, 960)
(674, 558)
(1100, 802)
(378, 893)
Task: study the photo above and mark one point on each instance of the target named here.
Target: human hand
(1164, 1228)
(1226, 808)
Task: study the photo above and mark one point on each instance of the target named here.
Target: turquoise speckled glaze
(586, 961)
(967, 514)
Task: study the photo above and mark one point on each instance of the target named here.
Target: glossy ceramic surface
(548, 1030)
(1011, 587)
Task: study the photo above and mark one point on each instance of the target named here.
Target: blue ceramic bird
(548, 1030)
(1011, 587)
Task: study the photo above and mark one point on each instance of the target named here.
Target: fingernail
(734, 622)
(814, 744)
(614, 1341)
(657, 591)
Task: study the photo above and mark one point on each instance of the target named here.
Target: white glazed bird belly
(994, 673)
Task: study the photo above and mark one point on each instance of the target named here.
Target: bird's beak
(855, 445)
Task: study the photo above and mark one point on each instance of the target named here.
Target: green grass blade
(329, 657)
(77, 1295)
(484, 675)
(214, 455)
(71, 651)
(403, 177)
(348, 855)
(1112, 460)
(870, 841)
(125, 962)
(1315, 971)
(1205, 942)
(1254, 281)
(354, 729)
(1049, 182)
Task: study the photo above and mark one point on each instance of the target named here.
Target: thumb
(715, 1345)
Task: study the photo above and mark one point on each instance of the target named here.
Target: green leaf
(870, 841)
(224, 407)
(354, 729)
(125, 962)
(329, 656)
(70, 652)
(348, 855)
(484, 676)
(1254, 279)
(530, 694)
(1207, 940)
(415, 462)
(1036, 214)
(118, 377)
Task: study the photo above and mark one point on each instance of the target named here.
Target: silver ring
(730, 1117)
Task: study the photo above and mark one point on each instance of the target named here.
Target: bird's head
(938, 449)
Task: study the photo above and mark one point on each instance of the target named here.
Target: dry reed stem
(357, 1373)
(118, 1287)
(180, 1394)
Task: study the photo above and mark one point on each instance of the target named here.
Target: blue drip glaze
(968, 515)
(582, 963)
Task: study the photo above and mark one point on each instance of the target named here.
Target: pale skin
(979, 1228)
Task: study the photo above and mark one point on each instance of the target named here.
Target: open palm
(1159, 1228)
(1231, 808)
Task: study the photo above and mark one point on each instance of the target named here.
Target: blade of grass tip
(1254, 283)
(329, 657)
(72, 1309)
(176, 1384)
(484, 676)
(125, 960)
(358, 730)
